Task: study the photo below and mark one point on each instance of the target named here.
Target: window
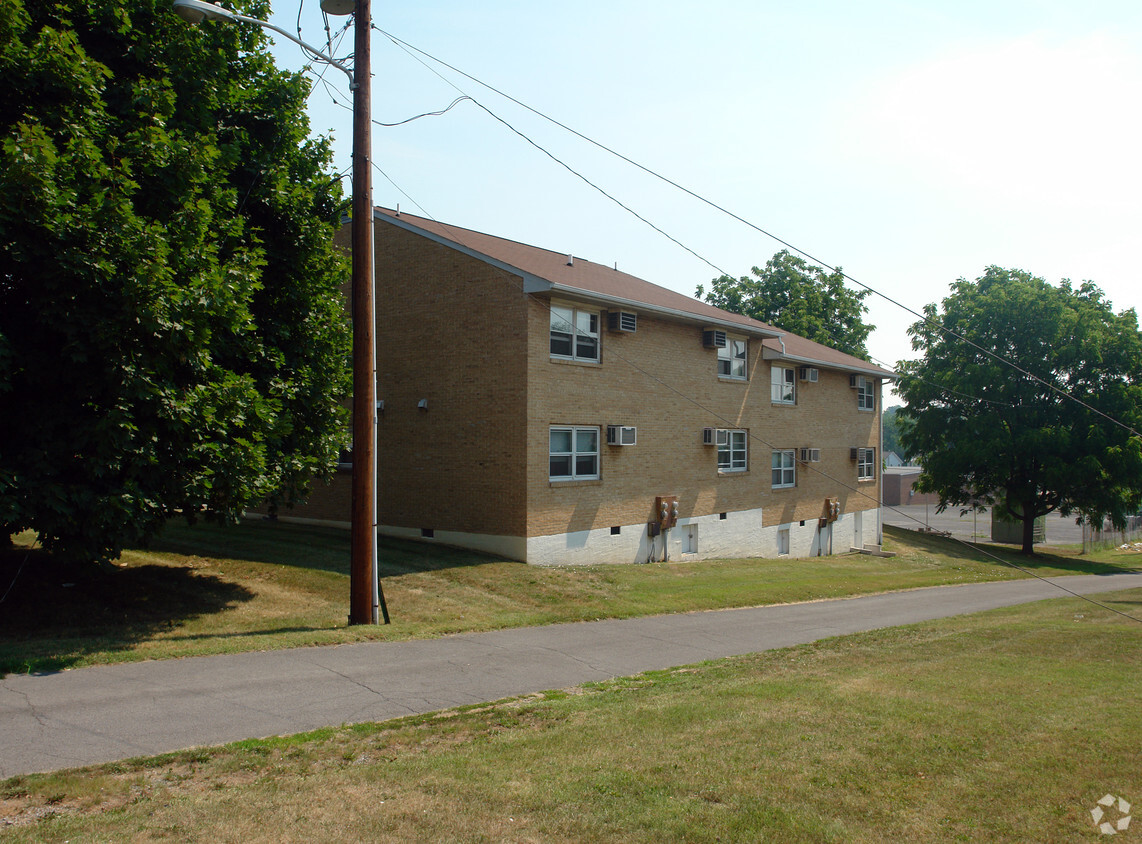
(784, 469)
(574, 334)
(866, 464)
(782, 382)
(731, 451)
(574, 454)
(866, 397)
(345, 457)
(731, 358)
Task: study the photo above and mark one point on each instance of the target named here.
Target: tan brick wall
(663, 381)
(461, 334)
(451, 330)
(328, 501)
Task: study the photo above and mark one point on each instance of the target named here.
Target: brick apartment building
(538, 406)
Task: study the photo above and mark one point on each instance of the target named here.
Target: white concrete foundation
(740, 534)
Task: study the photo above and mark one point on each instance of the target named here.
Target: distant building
(899, 487)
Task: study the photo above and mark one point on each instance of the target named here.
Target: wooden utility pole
(364, 584)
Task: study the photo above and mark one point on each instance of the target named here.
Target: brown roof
(797, 348)
(544, 269)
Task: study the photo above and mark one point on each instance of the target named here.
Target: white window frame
(866, 393)
(866, 464)
(783, 385)
(575, 454)
(733, 450)
(585, 335)
(732, 358)
(784, 467)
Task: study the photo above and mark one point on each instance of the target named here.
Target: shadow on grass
(308, 546)
(1008, 555)
(58, 611)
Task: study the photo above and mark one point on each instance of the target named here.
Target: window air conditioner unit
(854, 454)
(854, 380)
(809, 373)
(621, 434)
(714, 339)
(622, 321)
(810, 455)
(708, 436)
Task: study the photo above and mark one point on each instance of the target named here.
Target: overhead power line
(922, 317)
(754, 437)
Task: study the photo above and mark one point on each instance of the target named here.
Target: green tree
(986, 433)
(892, 425)
(799, 297)
(172, 337)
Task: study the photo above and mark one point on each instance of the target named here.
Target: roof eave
(870, 369)
(544, 286)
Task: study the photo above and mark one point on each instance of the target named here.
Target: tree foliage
(171, 327)
(799, 297)
(892, 424)
(987, 433)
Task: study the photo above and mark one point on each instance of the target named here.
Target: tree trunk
(1028, 530)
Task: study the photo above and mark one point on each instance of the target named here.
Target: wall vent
(624, 321)
(712, 338)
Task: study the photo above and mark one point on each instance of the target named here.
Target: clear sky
(910, 143)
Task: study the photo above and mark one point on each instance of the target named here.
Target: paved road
(101, 714)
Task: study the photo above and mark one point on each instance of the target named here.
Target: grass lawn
(1003, 726)
(263, 585)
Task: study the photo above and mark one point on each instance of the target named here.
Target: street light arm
(195, 11)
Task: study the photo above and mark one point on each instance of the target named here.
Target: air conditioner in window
(621, 434)
(810, 455)
(854, 380)
(854, 454)
(624, 321)
(708, 436)
(714, 339)
(809, 373)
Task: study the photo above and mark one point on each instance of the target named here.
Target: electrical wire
(308, 67)
(458, 235)
(682, 395)
(19, 571)
(444, 110)
(626, 208)
(924, 318)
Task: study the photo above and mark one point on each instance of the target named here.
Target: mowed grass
(261, 585)
(1003, 726)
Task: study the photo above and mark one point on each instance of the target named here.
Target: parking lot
(974, 527)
